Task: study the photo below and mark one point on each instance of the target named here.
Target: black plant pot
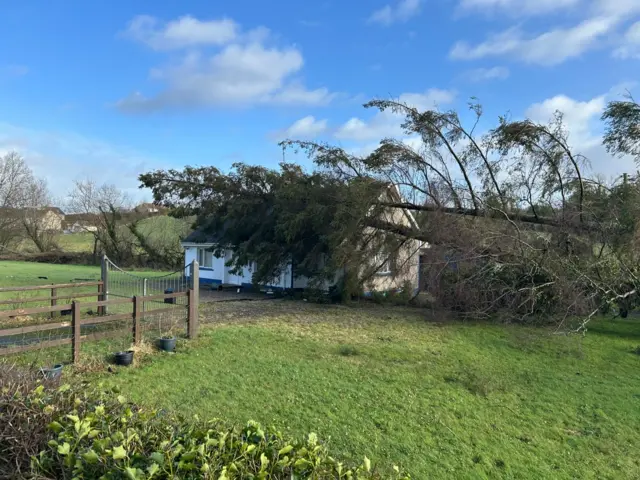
(123, 358)
(168, 344)
(52, 373)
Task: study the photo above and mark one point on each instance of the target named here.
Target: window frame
(202, 255)
(384, 260)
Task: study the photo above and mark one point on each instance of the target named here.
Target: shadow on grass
(619, 328)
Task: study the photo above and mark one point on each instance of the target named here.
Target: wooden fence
(136, 315)
(53, 298)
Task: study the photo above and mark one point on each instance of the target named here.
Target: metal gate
(120, 283)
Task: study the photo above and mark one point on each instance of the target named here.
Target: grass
(444, 400)
(76, 242)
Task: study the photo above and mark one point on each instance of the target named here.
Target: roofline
(196, 244)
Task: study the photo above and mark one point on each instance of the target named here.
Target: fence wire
(120, 283)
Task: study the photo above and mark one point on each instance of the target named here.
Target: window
(382, 261)
(205, 258)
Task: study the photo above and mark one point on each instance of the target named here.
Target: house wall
(219, 273)
(405, 266)
(51, 221)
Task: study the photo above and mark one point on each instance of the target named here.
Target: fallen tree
(515, 225)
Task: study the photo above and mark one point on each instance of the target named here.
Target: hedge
(87, 432)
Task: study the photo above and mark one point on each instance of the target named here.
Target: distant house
(393, 271)
(80, 222)
(48, 218)
(151, 209)
(51, 219)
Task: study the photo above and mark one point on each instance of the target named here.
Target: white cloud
(485, 74)
(429, 99)
(402, 11)
(245, 71)
(62, 157)
(305, 128)
(578, 116)
(186, 31)
(630, 47)
(549, 48)
(387, 124)
(618, 8)
(517, 7)
(581, 119)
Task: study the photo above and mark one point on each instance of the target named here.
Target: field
(442, 399)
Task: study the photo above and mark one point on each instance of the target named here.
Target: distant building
(80, 222)
(151, 209)
(51, 219)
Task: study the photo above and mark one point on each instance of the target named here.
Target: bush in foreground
(95, 434)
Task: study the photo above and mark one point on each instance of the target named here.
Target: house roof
(55, 210)
(201, 236)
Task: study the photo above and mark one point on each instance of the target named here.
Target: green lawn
(444, 400)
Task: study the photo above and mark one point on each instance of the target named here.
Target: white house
(213, 271)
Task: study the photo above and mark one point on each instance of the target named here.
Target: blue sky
(110, 89)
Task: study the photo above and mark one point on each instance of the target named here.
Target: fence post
(54, 302)
(192, 314)
(101, 298)
(145, 291)
(75, 324)
(104, 277)
(137, 332)
(195, 281)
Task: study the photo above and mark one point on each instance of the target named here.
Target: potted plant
(52, 373)
(167, 342)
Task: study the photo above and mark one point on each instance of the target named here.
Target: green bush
(99, 434)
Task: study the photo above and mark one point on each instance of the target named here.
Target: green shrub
(99, 434)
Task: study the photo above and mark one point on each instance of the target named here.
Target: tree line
(128, 236)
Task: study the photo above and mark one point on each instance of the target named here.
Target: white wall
(220, 273)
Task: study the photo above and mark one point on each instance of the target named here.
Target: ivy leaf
(121, 399)
(64, 449)
(157, 457)
(90, 456)
(55, 426)
(264, 461)
(285, 450)
(132, 473)
(119, 453)
(152, 469)
(367, 464)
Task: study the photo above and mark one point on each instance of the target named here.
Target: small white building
(214, 271)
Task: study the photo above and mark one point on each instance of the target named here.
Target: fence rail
(53, 298)
(138, 313)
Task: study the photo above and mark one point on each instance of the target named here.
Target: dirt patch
(251, 311)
